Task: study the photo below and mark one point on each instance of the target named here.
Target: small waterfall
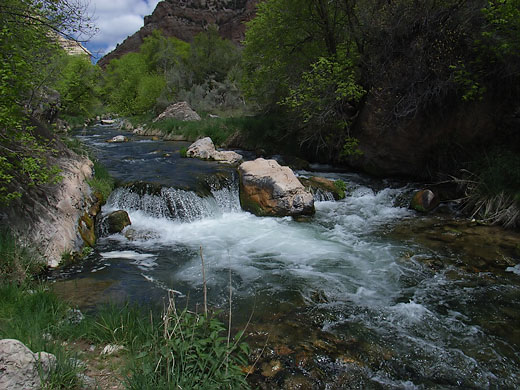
(177, 204)
(323, 196)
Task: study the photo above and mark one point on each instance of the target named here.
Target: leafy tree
(27, 48)
(211, 57)
(77, 84)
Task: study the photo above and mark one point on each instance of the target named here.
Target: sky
(115, 20)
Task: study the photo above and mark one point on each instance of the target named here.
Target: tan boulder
(205, 150)
(269, 189)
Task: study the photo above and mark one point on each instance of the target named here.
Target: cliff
(184, 19)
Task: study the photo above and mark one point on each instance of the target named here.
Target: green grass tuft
(102, 182)
(17, 263)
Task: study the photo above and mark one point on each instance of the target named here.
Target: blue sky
(115, 20)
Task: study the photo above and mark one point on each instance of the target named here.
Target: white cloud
(115, 20)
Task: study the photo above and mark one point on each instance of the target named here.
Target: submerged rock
(116, 221)
(424, 201)
(22, 369)
(180, 111)
(267, 188)
(205, 150)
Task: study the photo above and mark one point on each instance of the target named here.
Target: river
(366, 294)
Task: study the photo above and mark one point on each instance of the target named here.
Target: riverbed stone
(424, 201)
(116, 221)
(269, 189)
(20, 368)
(205, 150)
(118, 139)
(180, 111)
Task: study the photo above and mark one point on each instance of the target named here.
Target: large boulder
(205, 150)
(20, 368)
(269, 189)
(181, 111)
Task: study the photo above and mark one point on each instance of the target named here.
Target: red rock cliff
(184, 19)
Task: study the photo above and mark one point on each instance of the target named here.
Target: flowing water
(365, 294)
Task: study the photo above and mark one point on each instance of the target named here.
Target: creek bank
(53, 218)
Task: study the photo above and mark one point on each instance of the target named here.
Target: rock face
(424, 201)
(269, 189)
(205, 150)
(423, 144)
(184, 19)
(20, 368)
(47, 216)
(181, 111)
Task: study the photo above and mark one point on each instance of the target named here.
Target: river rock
(116, 221)
(180, 111)
(20, 368)
(267, 188)
(107, 121)
(205, 150)
(424, 201)
(118, 139)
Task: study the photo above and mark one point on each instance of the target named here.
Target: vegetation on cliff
(33, 68)
(204, 73)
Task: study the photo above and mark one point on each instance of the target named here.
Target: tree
(27, 48)
(77, 84)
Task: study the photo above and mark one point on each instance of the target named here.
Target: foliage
(258, 131)
(17, 263)
(102, 183)
(492, 188)
(33, 315)
(341, 188)
(28, 69)
(77, 85)
(167, 70)
(189, 352)
(183, 152)
(126, 85)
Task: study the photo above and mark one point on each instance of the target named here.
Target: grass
(492, 188)
(17, 263)
(255, 131)
(34, 316)
(172, 349)
(102, 182)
